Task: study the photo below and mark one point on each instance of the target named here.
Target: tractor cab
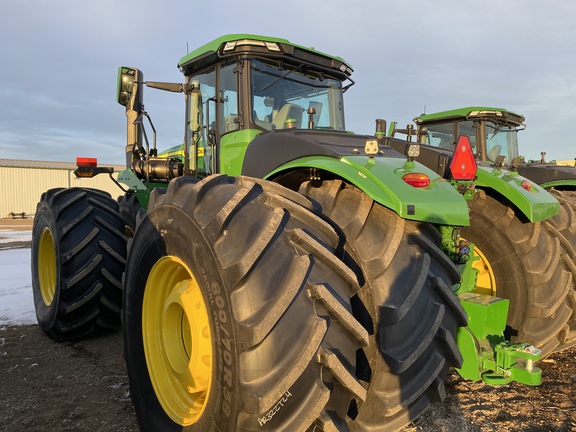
(493, 132)
(237, 87)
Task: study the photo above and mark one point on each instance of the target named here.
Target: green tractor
(526, 255)
(274, 272)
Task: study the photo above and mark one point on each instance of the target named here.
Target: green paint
(536, 204)
(468, 113)
(560, 184)
(233, 147)
(487, 356)
(381, 179)
(212, 47)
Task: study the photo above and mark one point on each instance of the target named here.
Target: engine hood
(270, 150)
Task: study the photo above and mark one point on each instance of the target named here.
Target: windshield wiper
(289, 71)
(496, 130)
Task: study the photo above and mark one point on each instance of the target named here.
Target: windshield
(442, 135)
(501, 140)
(439, 135)
(281, 98)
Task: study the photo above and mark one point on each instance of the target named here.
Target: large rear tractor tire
(408, 292)
(237, 312)
(522, 262)
(78, 257)
(563, 226)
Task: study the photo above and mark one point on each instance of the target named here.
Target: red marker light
(463, 165)
(526, 184)
(416, 180)
(86, 162)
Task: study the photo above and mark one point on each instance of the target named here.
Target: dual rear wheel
(524, 263)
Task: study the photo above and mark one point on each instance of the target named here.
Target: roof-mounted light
(272, 46)
(347, 70)
(463, 165)
(232, 45)
(485, 112)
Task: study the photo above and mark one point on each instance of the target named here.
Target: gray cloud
(59, 62)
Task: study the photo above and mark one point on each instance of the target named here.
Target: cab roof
(470, 113)
(234, 44)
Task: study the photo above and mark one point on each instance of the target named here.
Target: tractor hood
(549, 174)
(270, 150)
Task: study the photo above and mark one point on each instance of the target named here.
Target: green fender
(381, 179)
(560, 184)
(536, 204)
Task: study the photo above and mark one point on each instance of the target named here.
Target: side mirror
(128, 87)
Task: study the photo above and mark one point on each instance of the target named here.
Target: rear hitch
(488, 357)
(514, 362)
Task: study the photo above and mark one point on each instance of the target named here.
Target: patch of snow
(16, 300)
(14, 236)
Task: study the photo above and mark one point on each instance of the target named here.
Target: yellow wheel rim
(47, 267)
(177, 340)
(486, 283)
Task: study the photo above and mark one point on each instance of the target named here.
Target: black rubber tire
(563, 227)
(408, 292)
(526, 261)
(565, 221)
(278, 302)
(89, 257)
(129, 207)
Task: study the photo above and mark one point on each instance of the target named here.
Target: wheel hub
(47, 266)
(177, 340)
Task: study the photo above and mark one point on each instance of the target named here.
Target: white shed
(22, 182)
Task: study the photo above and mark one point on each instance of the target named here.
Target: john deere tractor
(281, 273)
(526, 255)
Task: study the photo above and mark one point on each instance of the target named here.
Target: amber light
(525, 184)
(416, 180)
(86, 162)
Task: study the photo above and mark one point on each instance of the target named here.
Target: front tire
(237, 312)
(78, 257)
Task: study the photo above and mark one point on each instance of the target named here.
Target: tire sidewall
(163, 232)
(44, 218)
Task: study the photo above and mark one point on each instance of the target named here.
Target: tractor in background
(526, 257)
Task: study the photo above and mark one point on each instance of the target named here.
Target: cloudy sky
(59, 60)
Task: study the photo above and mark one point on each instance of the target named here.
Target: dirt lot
(82, 386)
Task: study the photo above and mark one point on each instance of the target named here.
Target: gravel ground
(83, 386)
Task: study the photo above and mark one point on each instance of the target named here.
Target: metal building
(22, 182)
